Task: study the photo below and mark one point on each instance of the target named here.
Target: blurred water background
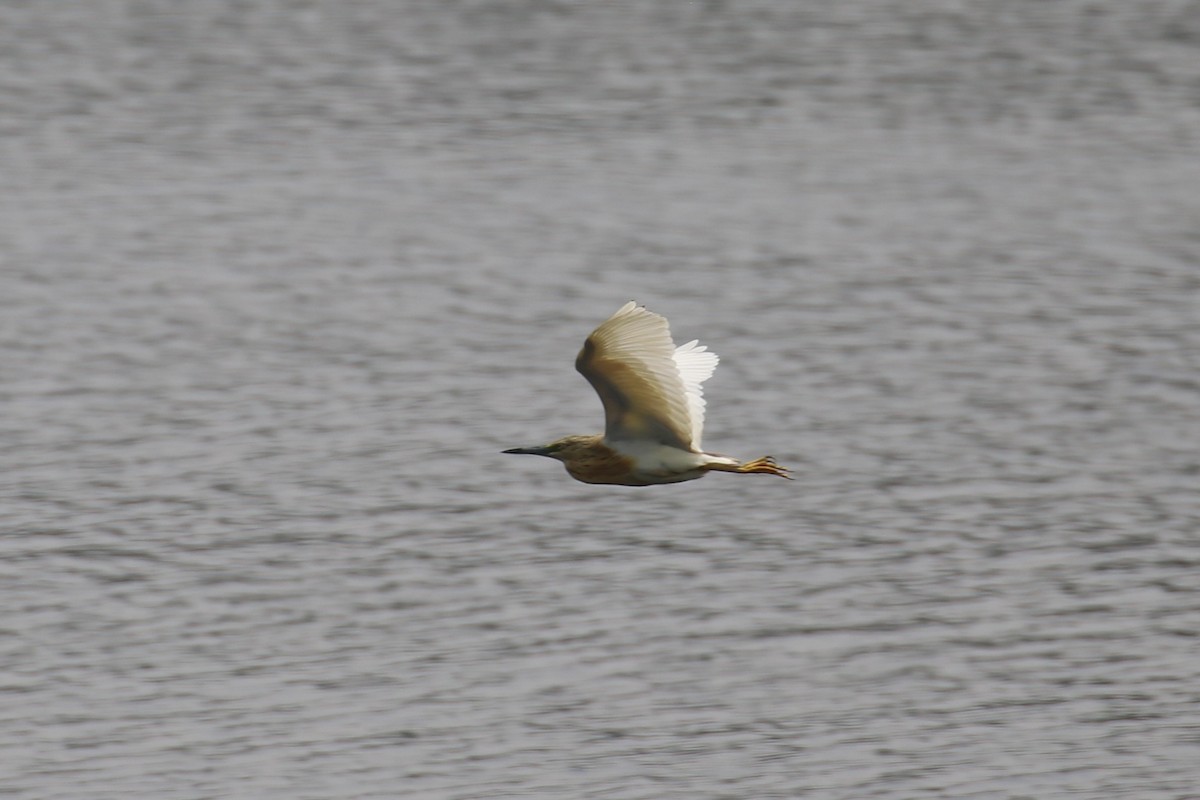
(280, 279)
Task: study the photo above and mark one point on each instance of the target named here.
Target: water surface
(279, 281)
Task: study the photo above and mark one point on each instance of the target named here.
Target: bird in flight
(653, 408)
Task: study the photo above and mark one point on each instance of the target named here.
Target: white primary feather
(695, 366)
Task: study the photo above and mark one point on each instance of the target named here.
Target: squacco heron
(653, 408)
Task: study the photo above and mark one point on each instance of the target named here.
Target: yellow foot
(765, 465)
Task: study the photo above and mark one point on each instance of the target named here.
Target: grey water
(278, 281)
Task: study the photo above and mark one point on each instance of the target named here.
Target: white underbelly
(660, 463)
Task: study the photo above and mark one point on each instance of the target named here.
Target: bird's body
(653, 408)
(591, 459)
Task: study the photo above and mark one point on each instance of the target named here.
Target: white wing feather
(695, 366)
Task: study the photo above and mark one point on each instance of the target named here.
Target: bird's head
(563, 449)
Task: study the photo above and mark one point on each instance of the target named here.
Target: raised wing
(650, 389)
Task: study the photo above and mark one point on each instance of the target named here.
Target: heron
(653, 408)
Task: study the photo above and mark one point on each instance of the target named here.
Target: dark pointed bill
(527, 451)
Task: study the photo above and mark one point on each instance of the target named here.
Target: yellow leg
(765, 466)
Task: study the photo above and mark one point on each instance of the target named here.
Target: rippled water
(280, 280)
